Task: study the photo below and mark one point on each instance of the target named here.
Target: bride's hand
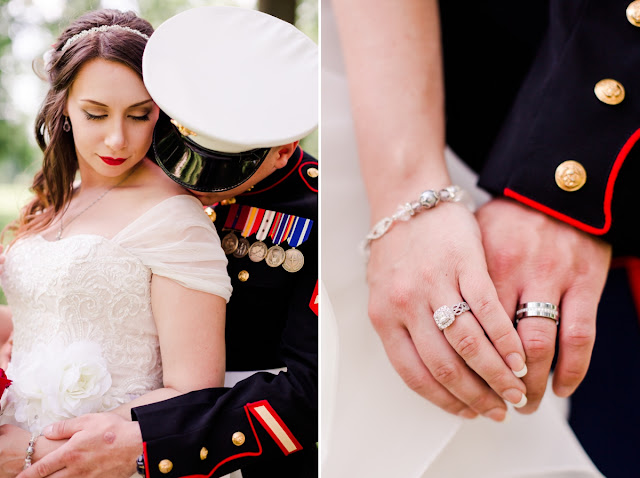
(435, 259)
(13, 450)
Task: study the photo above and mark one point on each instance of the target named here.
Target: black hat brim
(201, 169)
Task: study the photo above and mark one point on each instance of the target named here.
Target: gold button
(228, 202)
(633, 13)
(313, 172)
(570, 176)
(609, 91)
(211, 213)
(238, 438)
(204, 453)
(165, 466)
(243, 276)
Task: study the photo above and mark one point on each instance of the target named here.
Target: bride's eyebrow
(97, 103)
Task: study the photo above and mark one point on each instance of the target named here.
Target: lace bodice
(84, 335)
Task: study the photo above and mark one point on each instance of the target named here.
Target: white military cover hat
(235, 82)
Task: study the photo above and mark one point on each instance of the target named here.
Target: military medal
(242, 248)
(276, 254)
(242, 216)
(230, 241)
(258, 250)
(294, 259)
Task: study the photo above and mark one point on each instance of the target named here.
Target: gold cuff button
(204, 453)
(238, 438)
(570, 176)
(633, 13)
(243, 276)
(165, 466)
(609, 91)
(313, 172)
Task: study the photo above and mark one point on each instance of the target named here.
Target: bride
(118, 283)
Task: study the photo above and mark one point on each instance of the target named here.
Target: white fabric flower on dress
(66, 382)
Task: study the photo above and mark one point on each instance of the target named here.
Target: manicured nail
(517, 365)
(467, 413)
(496, 414)
(563, 392)
(516, 397)
(47, 430)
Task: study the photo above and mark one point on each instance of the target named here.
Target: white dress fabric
(85, 339)
(372, 424)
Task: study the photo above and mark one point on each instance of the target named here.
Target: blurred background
(29, 27)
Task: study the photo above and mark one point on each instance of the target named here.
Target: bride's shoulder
(158, 190)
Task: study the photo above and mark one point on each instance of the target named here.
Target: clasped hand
(510, 254)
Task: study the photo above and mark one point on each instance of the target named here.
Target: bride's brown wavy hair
(53, 184)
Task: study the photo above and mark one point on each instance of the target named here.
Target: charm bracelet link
(427, 200)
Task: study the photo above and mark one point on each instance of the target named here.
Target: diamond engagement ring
(537, 309)
(445, 315)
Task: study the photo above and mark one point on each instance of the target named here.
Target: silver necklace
(59, 235)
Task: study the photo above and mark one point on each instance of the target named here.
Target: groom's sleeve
(265, 421)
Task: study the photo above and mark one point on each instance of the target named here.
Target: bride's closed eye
(90, 116)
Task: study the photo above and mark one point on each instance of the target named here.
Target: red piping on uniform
(234, 457)
(632, 265)
(608, 195)
(305, 179)
(276, 417)
(147, 470)
(277, 182)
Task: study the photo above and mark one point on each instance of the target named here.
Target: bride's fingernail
(47, 430)
(497, 414)
(517, 365)
(516, 397)
(468, 413)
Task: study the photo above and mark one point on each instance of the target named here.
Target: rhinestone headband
(102, 28)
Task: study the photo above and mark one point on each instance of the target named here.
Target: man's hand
(100, 445)
(535, 258)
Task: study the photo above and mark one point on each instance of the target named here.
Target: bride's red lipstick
(113, 161)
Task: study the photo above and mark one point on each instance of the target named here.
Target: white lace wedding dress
(84, 335)
(373, 425)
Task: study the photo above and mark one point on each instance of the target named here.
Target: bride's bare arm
(394, 67)
(191, 328)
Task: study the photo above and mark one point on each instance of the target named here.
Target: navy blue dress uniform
(271, 323)
(238, 84)
(543, 101)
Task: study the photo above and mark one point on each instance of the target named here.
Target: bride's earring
(67, 125)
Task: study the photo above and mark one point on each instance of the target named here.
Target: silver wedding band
(445, 315)
(546, 310)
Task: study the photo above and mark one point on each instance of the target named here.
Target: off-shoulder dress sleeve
(177, 240)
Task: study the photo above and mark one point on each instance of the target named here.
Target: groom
(241, 89)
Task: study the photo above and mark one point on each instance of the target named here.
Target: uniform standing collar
(278, 176)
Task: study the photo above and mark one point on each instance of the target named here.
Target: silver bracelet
(427, 200)
(30, 450)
